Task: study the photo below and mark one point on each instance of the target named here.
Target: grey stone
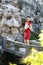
(19, 37)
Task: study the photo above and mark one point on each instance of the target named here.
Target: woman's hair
(28, 17)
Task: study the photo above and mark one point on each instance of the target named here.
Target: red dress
(27, 31)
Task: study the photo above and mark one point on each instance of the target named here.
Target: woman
(27, 30)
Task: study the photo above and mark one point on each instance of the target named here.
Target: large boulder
(9, 7)
(10, 23)
(19, 37)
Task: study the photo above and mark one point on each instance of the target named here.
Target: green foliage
(33, 36)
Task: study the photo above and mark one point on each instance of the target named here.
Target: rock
(22, 13)
(14, 30)
(11, 23)
(5, 29)
(18, 17)
(36, 29)
(21, 30)
(19, 37)
(13, 16)
(9, 7)
(10, 36)
(14, 22)
(35, 42)
(41, 12)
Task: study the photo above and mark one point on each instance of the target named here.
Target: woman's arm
(30, 27)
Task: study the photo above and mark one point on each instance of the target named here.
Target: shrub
(41, 38)
(35, 58)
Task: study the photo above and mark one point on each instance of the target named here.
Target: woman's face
(27, 19)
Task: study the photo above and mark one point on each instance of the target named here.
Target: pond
(6, 57)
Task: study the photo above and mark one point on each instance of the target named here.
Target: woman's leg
(27, 41)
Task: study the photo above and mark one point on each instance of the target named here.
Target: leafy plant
(11, 63)
(41, 38)
(35, 58)
(33, 36)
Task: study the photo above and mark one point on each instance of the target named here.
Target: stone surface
(13, 11)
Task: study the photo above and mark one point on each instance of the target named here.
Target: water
(8, 57)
